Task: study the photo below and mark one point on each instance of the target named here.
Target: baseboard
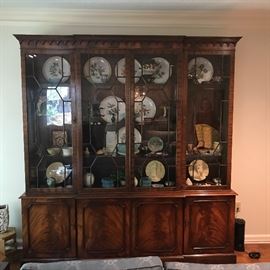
(257, 238)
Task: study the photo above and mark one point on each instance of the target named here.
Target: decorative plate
(198, 170)
(56, 69)
(56, 170)
(155, 170)
(157, 70)
(97, 70)
(144, 107)
(155, 144)
(201, 69)
(112, 109)
(120, 70)
(136, 181)
(121, 147)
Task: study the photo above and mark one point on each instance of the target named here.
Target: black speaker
(239, 234)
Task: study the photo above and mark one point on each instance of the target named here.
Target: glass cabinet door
(106, 119)
(154, 120)
(207, 119)
(103, 120)
(49, 118)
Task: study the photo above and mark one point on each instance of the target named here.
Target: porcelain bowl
(107, 182)
(53, 151)
(67, 151)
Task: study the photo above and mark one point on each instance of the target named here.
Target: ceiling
(139, 4)
(135, 14)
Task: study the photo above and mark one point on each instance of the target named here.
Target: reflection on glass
(58, 106)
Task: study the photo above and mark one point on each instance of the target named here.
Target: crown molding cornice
(124, 42)
(236, 19)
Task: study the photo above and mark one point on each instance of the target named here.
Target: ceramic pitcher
(4, 218)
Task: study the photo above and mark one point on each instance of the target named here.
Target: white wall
(251, 148)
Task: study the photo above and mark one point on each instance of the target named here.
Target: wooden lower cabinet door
(209, 225)
(49, 228)
(157, 227)
(103, 228)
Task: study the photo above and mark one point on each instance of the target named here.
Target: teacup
(52, 151)
(67, 151)
(145, 181)
(107, 182)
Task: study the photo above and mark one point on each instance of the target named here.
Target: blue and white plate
(56, 69)
(144, 108)
(112, 109)
(97, 70)
(157, 70)
(201, 69)
(120, 70)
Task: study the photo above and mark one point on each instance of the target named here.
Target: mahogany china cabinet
(128, 147)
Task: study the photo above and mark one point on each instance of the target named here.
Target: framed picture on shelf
(59, 138)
